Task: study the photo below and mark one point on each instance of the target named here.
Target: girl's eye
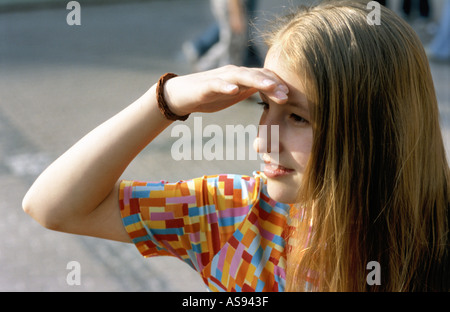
(294, 117)
(298, 119)
(264, 105)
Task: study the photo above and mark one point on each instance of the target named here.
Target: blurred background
(57, 82)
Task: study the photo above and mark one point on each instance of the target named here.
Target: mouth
(273, 170)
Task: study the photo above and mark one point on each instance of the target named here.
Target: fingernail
(283, 89)
(281, 95)
(268, 82)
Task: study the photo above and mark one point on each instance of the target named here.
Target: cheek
(301, 159)
(301, 147)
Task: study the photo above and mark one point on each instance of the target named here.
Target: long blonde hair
(376, 186)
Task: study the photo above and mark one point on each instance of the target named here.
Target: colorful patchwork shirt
(226, 227)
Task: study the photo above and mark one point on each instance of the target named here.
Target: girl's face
(284, 167)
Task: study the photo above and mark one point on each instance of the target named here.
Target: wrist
(166, 99)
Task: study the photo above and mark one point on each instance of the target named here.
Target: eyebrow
(300, 105)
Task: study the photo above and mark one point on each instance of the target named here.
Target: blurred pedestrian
(196, 48)
(252, 58)
(418, 14)
(439, 48)
(409, 7)
(228, 41)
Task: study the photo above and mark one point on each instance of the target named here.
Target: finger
(277, 90)
(278, 97)
(221, 86)
(264, 81)
(257, 78)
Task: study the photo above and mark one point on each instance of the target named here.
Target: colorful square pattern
(224, 226)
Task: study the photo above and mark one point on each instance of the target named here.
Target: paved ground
(58, 82)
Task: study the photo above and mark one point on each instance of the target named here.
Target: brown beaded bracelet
(162, 105)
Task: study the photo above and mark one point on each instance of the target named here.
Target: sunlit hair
(376, 187)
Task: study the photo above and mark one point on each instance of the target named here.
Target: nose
(267, 140)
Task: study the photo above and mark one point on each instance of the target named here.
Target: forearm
(78, 181)
(78, 193)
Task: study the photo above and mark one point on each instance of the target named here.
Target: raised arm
(78, 192)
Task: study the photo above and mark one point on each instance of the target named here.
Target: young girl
(360, 175)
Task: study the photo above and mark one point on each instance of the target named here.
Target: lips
(273, 170)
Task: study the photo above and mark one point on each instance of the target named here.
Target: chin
(282, 193)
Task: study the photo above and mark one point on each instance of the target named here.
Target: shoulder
(222, 190)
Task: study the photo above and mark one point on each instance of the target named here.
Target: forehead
(277, 63)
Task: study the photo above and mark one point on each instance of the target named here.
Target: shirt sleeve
(190, 219)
